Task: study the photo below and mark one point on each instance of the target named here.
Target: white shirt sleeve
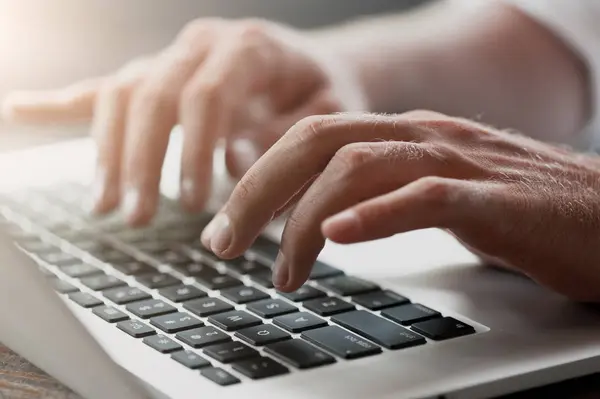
(577, 23)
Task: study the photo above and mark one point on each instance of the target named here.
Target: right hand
(246, 82)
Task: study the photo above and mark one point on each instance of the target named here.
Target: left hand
(350, 178)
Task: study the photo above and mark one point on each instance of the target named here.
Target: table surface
(19, 379)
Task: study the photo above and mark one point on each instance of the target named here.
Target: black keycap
(110, 314)
(150, 308)
(321, 270)
(269, 308)
(348, 285)
(190, 360)
(379, 300)
(299, 354)
(298, 322)
(84, 299)
(80, 270)
(230, 352)
(62, 287)
(328, 306)
(244, 294)
(262, 335)
(170, 257)
(443, 328)
(158, 280)
(265, 248)
(108, 254)
(263, 278)
(378, 330)
(162, 343)
(175, 322)
(410, 314)
(219, 376)
(217, 281)
(193, 269)
(262, 367)
(102, 282)
(180, 293)
(203, 336)
(242, 265)
(341, 342)
(304, 293)
(152, 246)
(205, 307)
(234, 320)
(133, 267)
(59, 259)
(123, 295)
(135, 328)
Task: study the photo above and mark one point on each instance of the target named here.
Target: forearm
(490, 62)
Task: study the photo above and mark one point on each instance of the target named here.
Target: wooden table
(19, 379)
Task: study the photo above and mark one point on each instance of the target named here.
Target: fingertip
(138, 208)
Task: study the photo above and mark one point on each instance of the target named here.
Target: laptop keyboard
(160, 285)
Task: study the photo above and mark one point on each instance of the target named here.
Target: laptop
(115, 312)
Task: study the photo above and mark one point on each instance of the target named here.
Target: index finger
(286, 167)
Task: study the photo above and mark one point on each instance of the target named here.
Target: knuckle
(202, 91)
(252, 29)
(246, 186)
(435, 190)
(196, 29)
(423, 114)
(115, 91)
(353, 156)
(311, 128)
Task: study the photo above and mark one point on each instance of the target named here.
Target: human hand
(352, 178)
(243, 81)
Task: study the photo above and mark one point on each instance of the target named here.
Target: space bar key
(378, 330)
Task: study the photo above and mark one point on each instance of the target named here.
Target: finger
(74, 103)
(232, 74)
(241, 155)
(302, 153)
(426, 203)
(152, 114)
(357, 172)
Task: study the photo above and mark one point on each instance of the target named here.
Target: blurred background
(50, 43)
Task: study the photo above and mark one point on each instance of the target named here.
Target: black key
(230, 352)
(193, 269)
(234, 320)
(150, 308)
(158, 280)
(410, 314)
(102, 282)
(244, 294)
(262, 367)
(269, 308)
(219, 376)
(299, 354)
(180, 293)
(328, 306)
(265, 248)
(175, 322)
(123, 295)
(190, 360)
(84, 299)
(264, 278)
(59, 258)
(110, 314)
(170, 257)
(133, 267)
(153, 247)
(341, 342)
(108, 254)
(217, 281)
(379, 300)
(298, 322)
(62, 287)
(135, 328)
(348, 285)
(242, 265)
(205, 307)
(162, 343)
(304, 293)
(378, 330)
(80, 270)
(443, 328)
(321, 270)
(262, 335)
(203, 336)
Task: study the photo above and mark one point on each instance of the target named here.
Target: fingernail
(217, 235)
(131, 202)
(280, 271)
